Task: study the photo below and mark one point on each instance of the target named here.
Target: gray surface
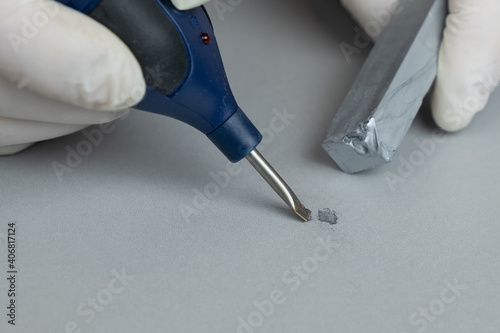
(120, 209)
(386, 96)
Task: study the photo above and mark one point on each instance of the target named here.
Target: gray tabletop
(137, 236)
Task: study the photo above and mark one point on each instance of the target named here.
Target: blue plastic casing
(204, 99)
(83, 6)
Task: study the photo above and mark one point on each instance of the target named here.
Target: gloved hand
(61, 71)
(469, 59)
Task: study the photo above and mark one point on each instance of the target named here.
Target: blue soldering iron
(186, 80)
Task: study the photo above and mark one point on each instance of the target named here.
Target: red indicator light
(205, 38)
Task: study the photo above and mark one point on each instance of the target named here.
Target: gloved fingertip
(188, 4)
(75, 60)
(14, 149)
(372, 15)
(468, 67)
(115, 82)
(449, 116)
(130, 95)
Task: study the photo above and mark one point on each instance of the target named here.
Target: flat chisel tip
(278, 184)
(303, 213)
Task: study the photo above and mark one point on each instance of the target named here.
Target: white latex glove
(61, 71)
(469, 59)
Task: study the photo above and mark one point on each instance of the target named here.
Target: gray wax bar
(387, 94)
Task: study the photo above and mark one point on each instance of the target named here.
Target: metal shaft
(278, 184)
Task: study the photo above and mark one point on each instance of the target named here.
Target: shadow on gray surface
(127, 153)
(425, 115)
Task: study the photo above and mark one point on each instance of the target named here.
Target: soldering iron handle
(180, 58)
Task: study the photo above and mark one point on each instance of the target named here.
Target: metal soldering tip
(278, 184)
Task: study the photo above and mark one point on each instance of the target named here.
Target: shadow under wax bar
(388, 92)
